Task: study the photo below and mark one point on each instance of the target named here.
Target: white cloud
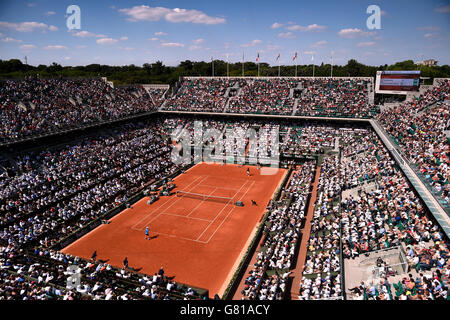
(198, 41)
(172, 44)
(444, 9)
(153, 39)
(176, 15)
(195, 47)
(251, 44)
(311, 27)
(124, 38)
(27, 26)
(9, 39)
(429, 35)
(107, 41)
(31, 4)
(276, 25)
(27, 46)
(309, 52)
(87, 34)
(55, 47)
(50, 13)
(67, 58)
(286, 35)
(365, 44)
(160, 34)
(428, 28)
(319, 44)
(355, 32)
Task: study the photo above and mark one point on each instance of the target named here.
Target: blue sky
(137, 32)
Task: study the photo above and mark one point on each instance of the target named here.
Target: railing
(398, 250)
(396, 152)
(437, 195)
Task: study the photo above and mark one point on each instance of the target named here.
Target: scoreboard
(397, 82)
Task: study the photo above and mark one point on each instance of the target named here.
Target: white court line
(228, 214)
(201, 202)
(220, 212)
(173, 236)
(161, 205)
(161, 213)
(206, 185)
(147, 216)
(177, 215)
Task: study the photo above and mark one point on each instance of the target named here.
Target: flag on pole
(257, 57)
(295, 56)
(278, 57)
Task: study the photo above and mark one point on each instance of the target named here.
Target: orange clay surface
(199, 243)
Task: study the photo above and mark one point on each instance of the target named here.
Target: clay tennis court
(198, 242)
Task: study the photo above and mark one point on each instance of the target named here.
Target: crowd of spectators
(308, 139)
(337, 97)
(390, 215)
(419, 127)
(45, 195)
(34, 106)
(200, 94)
(49, 194)
(322, 266)
(267, 96)
(158, 95)
(42, 274)
(269, 274)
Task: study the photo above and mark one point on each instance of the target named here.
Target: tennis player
(147, 236)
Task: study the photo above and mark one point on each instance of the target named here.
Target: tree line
(158, 73)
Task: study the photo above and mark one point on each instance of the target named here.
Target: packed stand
(421, 134)
(268, 276)
(47, 195)
(33, 107)
(267, 96)
(200, 94)
(347, 97)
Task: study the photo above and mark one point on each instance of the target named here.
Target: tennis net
(203, 197)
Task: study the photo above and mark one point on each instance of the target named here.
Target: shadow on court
(103, 261)
(134, 269)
